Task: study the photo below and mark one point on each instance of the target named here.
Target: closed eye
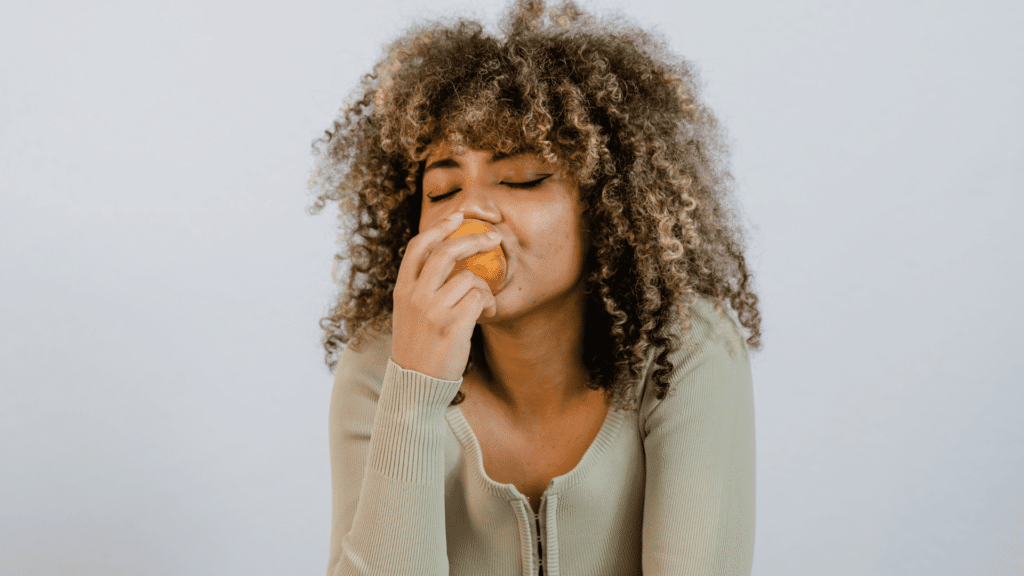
(516, 185)
(530, 184)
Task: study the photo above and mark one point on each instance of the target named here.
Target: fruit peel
(490, 265)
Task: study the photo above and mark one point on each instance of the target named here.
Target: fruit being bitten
(490, 265)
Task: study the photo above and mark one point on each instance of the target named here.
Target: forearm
(398, 526)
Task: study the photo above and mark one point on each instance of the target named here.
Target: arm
(699, 446)
(387, 431)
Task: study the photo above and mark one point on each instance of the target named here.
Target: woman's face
(533, 204)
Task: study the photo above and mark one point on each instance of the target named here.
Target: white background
(164, 397)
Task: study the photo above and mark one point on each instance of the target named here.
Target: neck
(534, 369)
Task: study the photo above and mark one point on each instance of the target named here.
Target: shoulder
(711, 367)
(714, 325)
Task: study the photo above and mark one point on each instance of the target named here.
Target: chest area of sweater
(590, 522)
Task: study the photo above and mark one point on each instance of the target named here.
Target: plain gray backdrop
(164, 395)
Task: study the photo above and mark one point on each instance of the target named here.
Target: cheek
(561, 240)
(425, 218)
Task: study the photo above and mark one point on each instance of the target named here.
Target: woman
(591, 411)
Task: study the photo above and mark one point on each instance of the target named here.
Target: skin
(534, 342)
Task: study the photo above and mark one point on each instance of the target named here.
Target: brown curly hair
(603, 95)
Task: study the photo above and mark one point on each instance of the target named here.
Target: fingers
(423, 275)
(443, 258)
(466, 287)
(420, 246)
(477, 302)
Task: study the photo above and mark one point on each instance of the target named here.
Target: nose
(476, 200)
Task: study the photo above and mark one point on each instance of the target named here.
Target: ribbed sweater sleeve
(699, 447)
(387, 467)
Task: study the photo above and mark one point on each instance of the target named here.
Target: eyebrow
(451, 163)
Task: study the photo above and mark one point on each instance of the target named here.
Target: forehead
(445, 149)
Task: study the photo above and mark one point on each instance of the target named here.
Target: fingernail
(456, 216)
(493, 236)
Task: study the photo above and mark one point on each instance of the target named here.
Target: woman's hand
(433, 320)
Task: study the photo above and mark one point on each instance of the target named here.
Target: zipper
(540, 547)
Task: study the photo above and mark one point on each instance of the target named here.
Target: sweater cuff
(408, 433)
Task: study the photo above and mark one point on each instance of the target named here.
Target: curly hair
(601, 94)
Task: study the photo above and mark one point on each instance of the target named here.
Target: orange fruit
(490, 266)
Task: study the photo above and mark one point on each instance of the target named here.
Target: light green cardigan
(666, 490)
